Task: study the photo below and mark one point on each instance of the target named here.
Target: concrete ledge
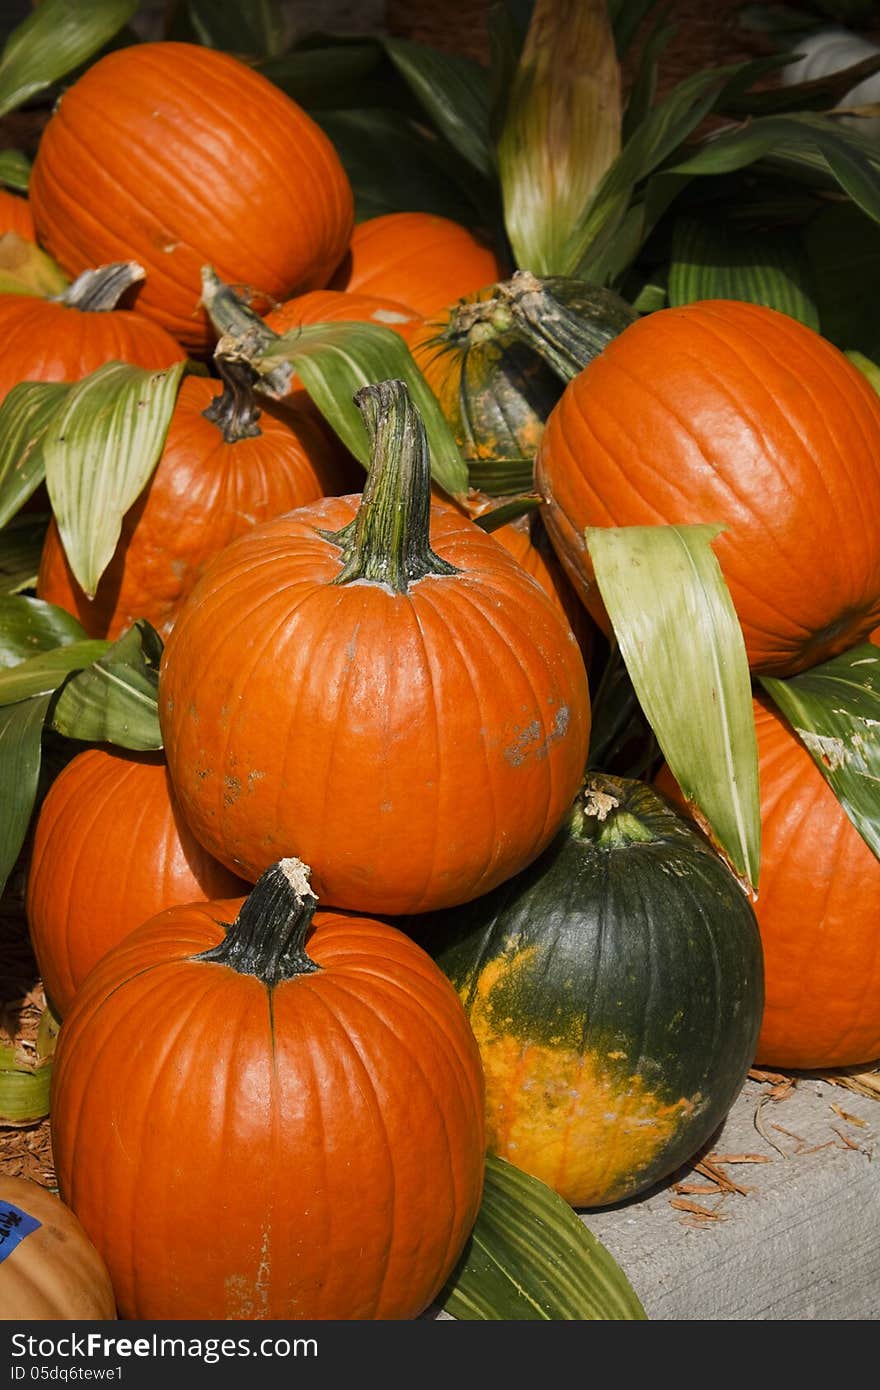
(803, 1243)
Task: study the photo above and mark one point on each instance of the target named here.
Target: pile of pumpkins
(366, 915)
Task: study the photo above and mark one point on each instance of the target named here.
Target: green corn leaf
(683, 646)
(869, 369)
(530, 1258)
(843, 247)
(252, 28)
(453, 93)
(21, 731)
(335, 74)
(29, 626)
(55, 39)
(24, 419)
(42, 674)
(15, 170)
(710, 260)
(24, 1091)
(835, 710)
(115, 700)
(99, 451)
(21, 545)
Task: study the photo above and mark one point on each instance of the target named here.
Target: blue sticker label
(15, 1224)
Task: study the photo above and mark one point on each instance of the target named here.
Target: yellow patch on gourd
(587, 1130)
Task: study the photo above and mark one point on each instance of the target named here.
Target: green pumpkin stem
(234, 411)
(243, 336)
(566, 340)
(389, 542)
(98, 291)
(267, 938)
(603, 814)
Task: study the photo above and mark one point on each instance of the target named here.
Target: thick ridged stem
(389, 540)
(267, 938)
(243, 336)
(234, 411)
(100, 290)
(565, 339)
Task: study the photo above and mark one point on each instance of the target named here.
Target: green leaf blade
(453, 92)
(115, 700)
(21, 547)
(99, 451)
(29, 626)
(42, 674)
(25, 416)
(834, 708)
(683, 646)
(21, 732)
(530, 1258)
(55, 39)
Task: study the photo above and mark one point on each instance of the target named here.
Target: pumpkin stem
(267, 938)
(96, 291)
(389, 542)
(243, 335)
(603, 813)
(567, 339)
(234, 411)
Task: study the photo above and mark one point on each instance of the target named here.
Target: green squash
(615, 989)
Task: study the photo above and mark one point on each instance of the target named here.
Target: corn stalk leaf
(29, 626)
(21, 731)
(21, 545)
(15, 170)
(99, 451)
(452, 91)
(843, 248)
(24, 1090)
(834, 708)
(42, 674)
(530, 1258)
(712, 261)
(55, 39)
(115, 700)
(561, 132)
(24, 419)
(683, 646)
(251, 28)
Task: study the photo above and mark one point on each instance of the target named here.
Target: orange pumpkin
(344, 306)
(66, 339)
(275, 1118)
(416, 258)
(49, 1269)
(16, 215)
(818, 899)
(225, 466)
(429, 706)
(191, 157)
(730, 413)
(110, 850)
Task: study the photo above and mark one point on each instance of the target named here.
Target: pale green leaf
(710, 260)
(15, 170)
(21, 731)
(115, 700)
(25, 269)
(21, 545)
(24, 419)
(835, 710)
(454, 94)
(530, 1259)
(29, 626)
(42, 674)
(99, 451)
(24, 1091)
(869, 369)
(683, 646)
(561, 132)
(55, 39)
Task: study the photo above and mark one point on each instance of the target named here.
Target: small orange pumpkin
(49, 1269)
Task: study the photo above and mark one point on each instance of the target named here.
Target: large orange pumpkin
(252, 1121)
(416, 258)
(817, 908)
(409, 715)
(110, 849)
(190, 157)
(66, 339)
(225, 466)
(731, 413)
(344, 306)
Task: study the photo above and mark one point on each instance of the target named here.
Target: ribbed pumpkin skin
(615, 993)
(51, 342)
(416, 258)
(818, 906)
(342, 306)
(193, 158)
(54, 1273)
(110, 850)
(413, 749)
(311, 1151)
(203, 494)
(731, 413)
(16, 215)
